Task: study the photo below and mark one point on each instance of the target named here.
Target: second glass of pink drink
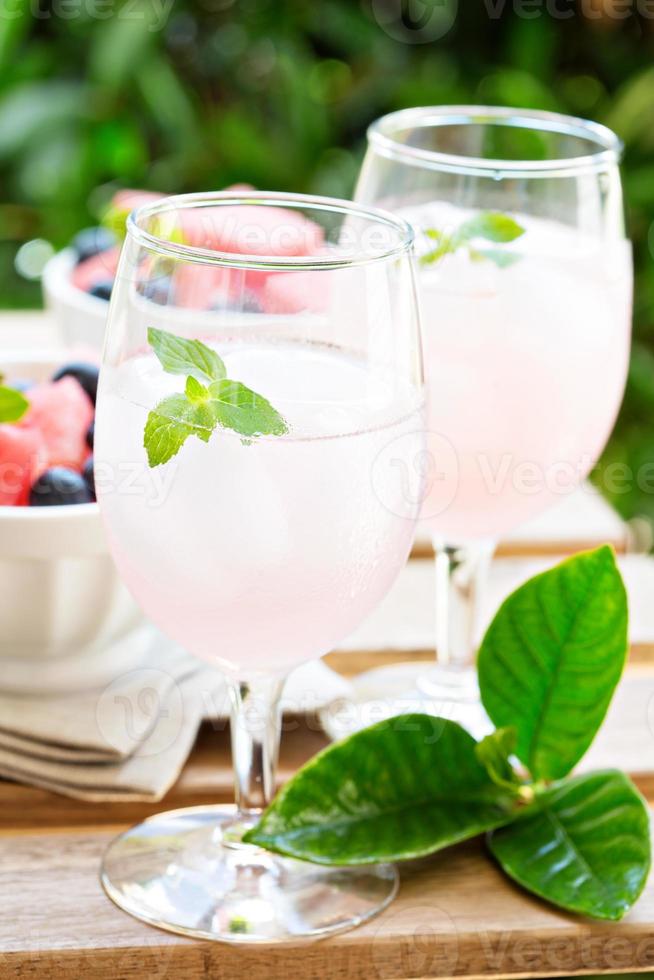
(262, 375)
(525, 290)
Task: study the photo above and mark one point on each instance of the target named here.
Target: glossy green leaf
(494, 752)
(584, 845)
(551, 659)
(400, 789)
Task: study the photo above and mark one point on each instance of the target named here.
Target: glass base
(178, 871)
(449, 692)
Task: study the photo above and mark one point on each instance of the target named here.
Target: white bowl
(80, 316)
(62, 604)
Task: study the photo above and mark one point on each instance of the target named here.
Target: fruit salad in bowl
(78, 281)
(60, 595)
(46, 437)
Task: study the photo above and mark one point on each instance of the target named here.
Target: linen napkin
(129, 739)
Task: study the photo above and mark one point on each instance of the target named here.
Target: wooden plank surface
(456, 915)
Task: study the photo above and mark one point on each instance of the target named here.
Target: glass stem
(461, 578)
(255, 730)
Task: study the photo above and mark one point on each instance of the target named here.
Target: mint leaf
(551, 658)
(493, 226)
(447, 246)
(179, 355)
(195, 391)
(13, 404)
(171, 423)
(584, 845)
(494, 752)
(243, 410)
(400, 789)
(501, 259)
(201, 408)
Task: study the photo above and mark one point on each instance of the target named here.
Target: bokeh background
(178, 95)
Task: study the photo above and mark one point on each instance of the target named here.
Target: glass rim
(281, 199)
(608, 152)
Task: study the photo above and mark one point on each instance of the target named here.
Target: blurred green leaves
(32, 110)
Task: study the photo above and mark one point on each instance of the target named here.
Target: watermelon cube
(22, 458)
(62, 412)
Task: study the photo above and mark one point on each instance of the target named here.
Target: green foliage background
(96, 94)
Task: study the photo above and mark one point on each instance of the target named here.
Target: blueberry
(102, 289)
(92, 241)
(158, 290)
(90, 434)
(88, 475)
(59, 485)
(82, 371)
(246, 302)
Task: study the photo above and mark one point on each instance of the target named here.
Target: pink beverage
(526, 366)
(258, 557)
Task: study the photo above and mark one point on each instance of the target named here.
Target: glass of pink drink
(525, 284)
(258, 548)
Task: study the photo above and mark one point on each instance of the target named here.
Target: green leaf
(200, 409)
(179, 355)
(494, 752)
(244, 411)
(195, 391)
(501, 259)
(584, 845)
(13, 404)
(490, 225)
(401, 789)
(551, 658)
(171, 423)
(446, 246)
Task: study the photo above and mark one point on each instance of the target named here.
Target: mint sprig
(209, 400)
(13, 404)
(548, 666)
(490, 226)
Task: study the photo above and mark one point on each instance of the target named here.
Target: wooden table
(456, 915)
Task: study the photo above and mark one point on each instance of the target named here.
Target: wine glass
(525, 287)
(262, 375)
